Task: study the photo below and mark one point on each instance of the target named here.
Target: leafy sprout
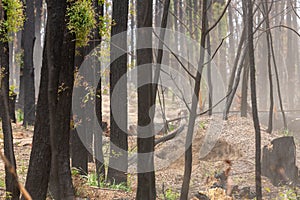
(82, 21)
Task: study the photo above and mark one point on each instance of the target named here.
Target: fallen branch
(170, 136)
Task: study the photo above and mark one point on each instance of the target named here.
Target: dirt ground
(235, 143)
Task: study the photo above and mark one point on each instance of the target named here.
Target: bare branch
(216, 51)
(219, 19)
(172, 52)
(12, 170)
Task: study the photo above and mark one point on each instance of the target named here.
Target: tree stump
(279, 161)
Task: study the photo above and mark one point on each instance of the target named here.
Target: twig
(12, 170)
(172, 52)
(216, 51)
(219, 19)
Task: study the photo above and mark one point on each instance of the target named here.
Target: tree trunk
(244, 97)
(28, 70)
(233, 77)
(60, 50)
(40, 157)
(118, 160)
(271, 109)
(193, 112)
(10, 181)
(99, 158)
(145, 163)
(253, 99)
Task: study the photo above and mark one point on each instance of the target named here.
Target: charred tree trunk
(99, 158)
(10, 181)
(266, 15)
(60, 48)
(253, 99)
(244, 97)
(28, 70)
(193, 112)
(40, 157)
(118, 160)
(233, 77)
(145, 141)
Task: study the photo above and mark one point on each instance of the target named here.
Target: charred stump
(279, 161)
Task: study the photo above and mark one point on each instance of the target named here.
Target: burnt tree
(145, 141)
(118, 159)
(10, 181)
(28, 70)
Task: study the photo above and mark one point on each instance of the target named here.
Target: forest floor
(235, 143)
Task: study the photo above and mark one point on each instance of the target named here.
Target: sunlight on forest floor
(236, 143)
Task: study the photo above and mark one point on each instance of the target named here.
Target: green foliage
(19, 115)
(12, 91)
(82, 21)
(289, 194)
(2, 183)
(202, 125)
(169, 194)
(105, 25)
(92, 181)
(15, 18)
(75, 171)
(286, 132)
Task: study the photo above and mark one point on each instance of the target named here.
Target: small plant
(169, 194)
(19, 115)
(286, 132)
(202, 125)
(92, 181)
(121, 186)
(289, 194)
(75, 171)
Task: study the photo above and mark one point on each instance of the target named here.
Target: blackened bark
(193, 112)
(254, 103)
(28, 70)
(271, 109)
(245, 83)
(80, 155)
(99, 158)
(118, 68)
(145, 141)
(62, 127)
(233, 77)
(60, 50)
(10, 181)
(40, 157)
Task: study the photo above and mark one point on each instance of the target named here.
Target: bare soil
(235, 143)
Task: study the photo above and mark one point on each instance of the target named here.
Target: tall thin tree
(10, 181)
(118, 95)
(145, 163)
(253, 99)
(28, 70)
(60, 48)
(193, 112)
